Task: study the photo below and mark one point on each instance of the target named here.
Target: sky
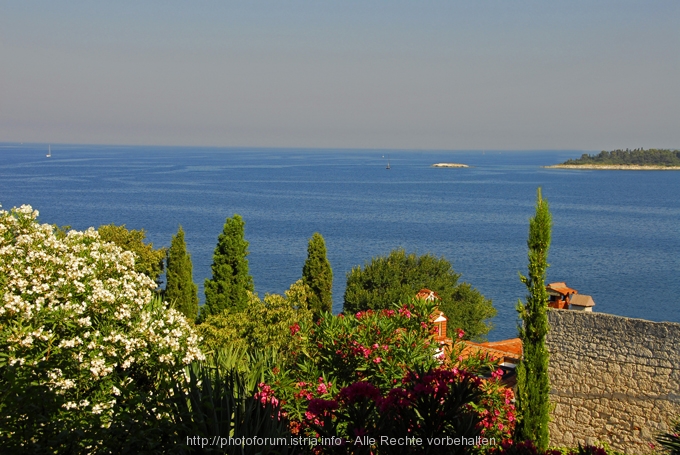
(451, 75)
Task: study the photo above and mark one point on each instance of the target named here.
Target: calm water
(616, 234)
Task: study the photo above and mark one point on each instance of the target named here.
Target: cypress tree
(180, 289)
(317, 274)
(533, 383)
(228, 288)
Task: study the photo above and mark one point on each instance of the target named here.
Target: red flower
(295, 328)
(358, 391)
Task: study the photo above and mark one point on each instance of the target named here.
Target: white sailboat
(49, 151)
(388, 162)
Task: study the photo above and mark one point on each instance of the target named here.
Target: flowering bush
(376, 374)
(427, 407)
(378, 346)
(82, 343)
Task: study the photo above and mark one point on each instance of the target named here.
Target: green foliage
(640, 157)
(377, 373)
(148, 260)
(670, 441)
(261, 324)
(317, 274)
(398, 277)
(426, 405)
(533, 385)
(218, 399)
(377, 346)
(87, 352)
(231, 283)
(180, 289)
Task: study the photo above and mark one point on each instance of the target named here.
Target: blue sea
(616, 234)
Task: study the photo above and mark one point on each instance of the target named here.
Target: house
(559, 295)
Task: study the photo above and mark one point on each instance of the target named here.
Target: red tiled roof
(502, 351)
(561, 288)
(512, 346)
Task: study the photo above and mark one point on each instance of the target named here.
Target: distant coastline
(614, 167)
(449, 165)
(626, 160)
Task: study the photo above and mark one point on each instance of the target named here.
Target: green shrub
(399, 276)
(261, 324)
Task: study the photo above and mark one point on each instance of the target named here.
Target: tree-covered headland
(636, 157)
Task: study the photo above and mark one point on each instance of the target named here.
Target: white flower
(58, 292)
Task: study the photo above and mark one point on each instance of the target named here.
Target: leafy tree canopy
(148, 260)
(397, 277)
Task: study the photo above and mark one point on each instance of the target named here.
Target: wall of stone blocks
(613, 379)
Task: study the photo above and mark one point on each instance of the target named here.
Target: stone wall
(613, 379)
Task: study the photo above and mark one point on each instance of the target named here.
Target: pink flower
(377, 360)
(265, 394)
(461, 333)
(405, 312)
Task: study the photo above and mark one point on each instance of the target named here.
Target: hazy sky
(472, 74)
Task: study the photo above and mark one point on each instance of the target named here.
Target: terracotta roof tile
(561, 288)
(504, 351)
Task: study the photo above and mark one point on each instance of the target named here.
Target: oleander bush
(379, 373)
(87, 356)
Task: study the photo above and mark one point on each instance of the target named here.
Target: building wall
(613, 379)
